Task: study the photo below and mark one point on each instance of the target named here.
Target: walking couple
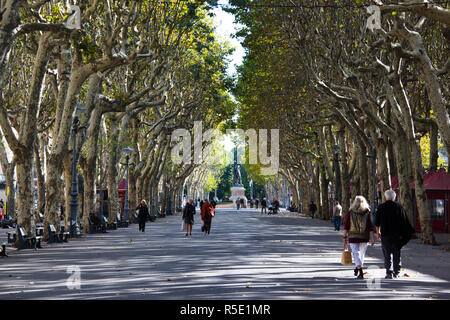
(392, 227)
(207, 213)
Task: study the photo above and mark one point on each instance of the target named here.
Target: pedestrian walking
(263, 205)
(312, 209)
(188, 216)
(275, 206)
(251, 203)
(238, 203)
(242, 202)
(393, 230)
(207, 213)
(337, 216)
(142, 215)
(256, 203)
(359, 229)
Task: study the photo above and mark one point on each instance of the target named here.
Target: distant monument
(238, 190)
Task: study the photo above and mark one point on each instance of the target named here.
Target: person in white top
(337, 215)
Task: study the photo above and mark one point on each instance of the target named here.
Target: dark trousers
(142, 225)
(390, 246)
(337, 222)
(263, 209)
(206, 227)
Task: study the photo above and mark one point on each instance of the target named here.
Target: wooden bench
(96, 228)
(120, 223)
(54, 236)
(3, 250)
(25, 241)
(11, 236)
(109, 226)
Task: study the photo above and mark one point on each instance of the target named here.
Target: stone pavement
(247, 256)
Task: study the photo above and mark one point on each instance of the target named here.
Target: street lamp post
(74, 229)
(126, 209)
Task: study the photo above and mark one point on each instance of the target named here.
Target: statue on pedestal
(237, 178)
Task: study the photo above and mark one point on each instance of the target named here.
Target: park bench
(7, 223)
(97, 228)
(11, 236)
(25, 241)
(272, 210)
(120, 223)
(110, 226)
(54, 236)
(3, 250)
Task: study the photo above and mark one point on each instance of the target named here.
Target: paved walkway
(247, 256)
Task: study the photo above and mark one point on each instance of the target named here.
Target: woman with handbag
(359, 229)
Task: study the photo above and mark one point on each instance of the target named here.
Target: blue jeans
(337, 222)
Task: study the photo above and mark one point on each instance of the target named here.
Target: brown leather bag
(346, 258)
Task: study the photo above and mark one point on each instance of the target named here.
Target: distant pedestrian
(142, 215)
(275, 206)
(337, 216)
(358, 226)
(242, 202)
(207, 213)
(263, 205)
(214, 203)
(188, 216)
(393, 230)
(312, 209)
(238, 203)
(251, 203)
(256, 203)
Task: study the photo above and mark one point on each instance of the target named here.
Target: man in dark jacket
(312, 209)
(263, 205)
(142, 215)
(393, 230)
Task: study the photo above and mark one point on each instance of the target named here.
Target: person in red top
(359, 229)
(207, 213)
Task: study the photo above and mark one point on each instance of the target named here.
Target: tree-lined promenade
(85, 82)
(359, 97)
(131, 72)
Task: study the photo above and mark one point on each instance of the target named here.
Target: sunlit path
(247, 256)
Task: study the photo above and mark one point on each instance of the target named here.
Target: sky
(225, 27)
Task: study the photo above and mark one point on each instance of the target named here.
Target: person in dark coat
(188, 216)
(263, 205)
(393, 230)
(142, 215)
(207, 213)
(312, 209)
(256, 203)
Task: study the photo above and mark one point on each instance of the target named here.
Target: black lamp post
(74, 229)
(126, 209)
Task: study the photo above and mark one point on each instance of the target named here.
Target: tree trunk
(25, 192)
(111, 169)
